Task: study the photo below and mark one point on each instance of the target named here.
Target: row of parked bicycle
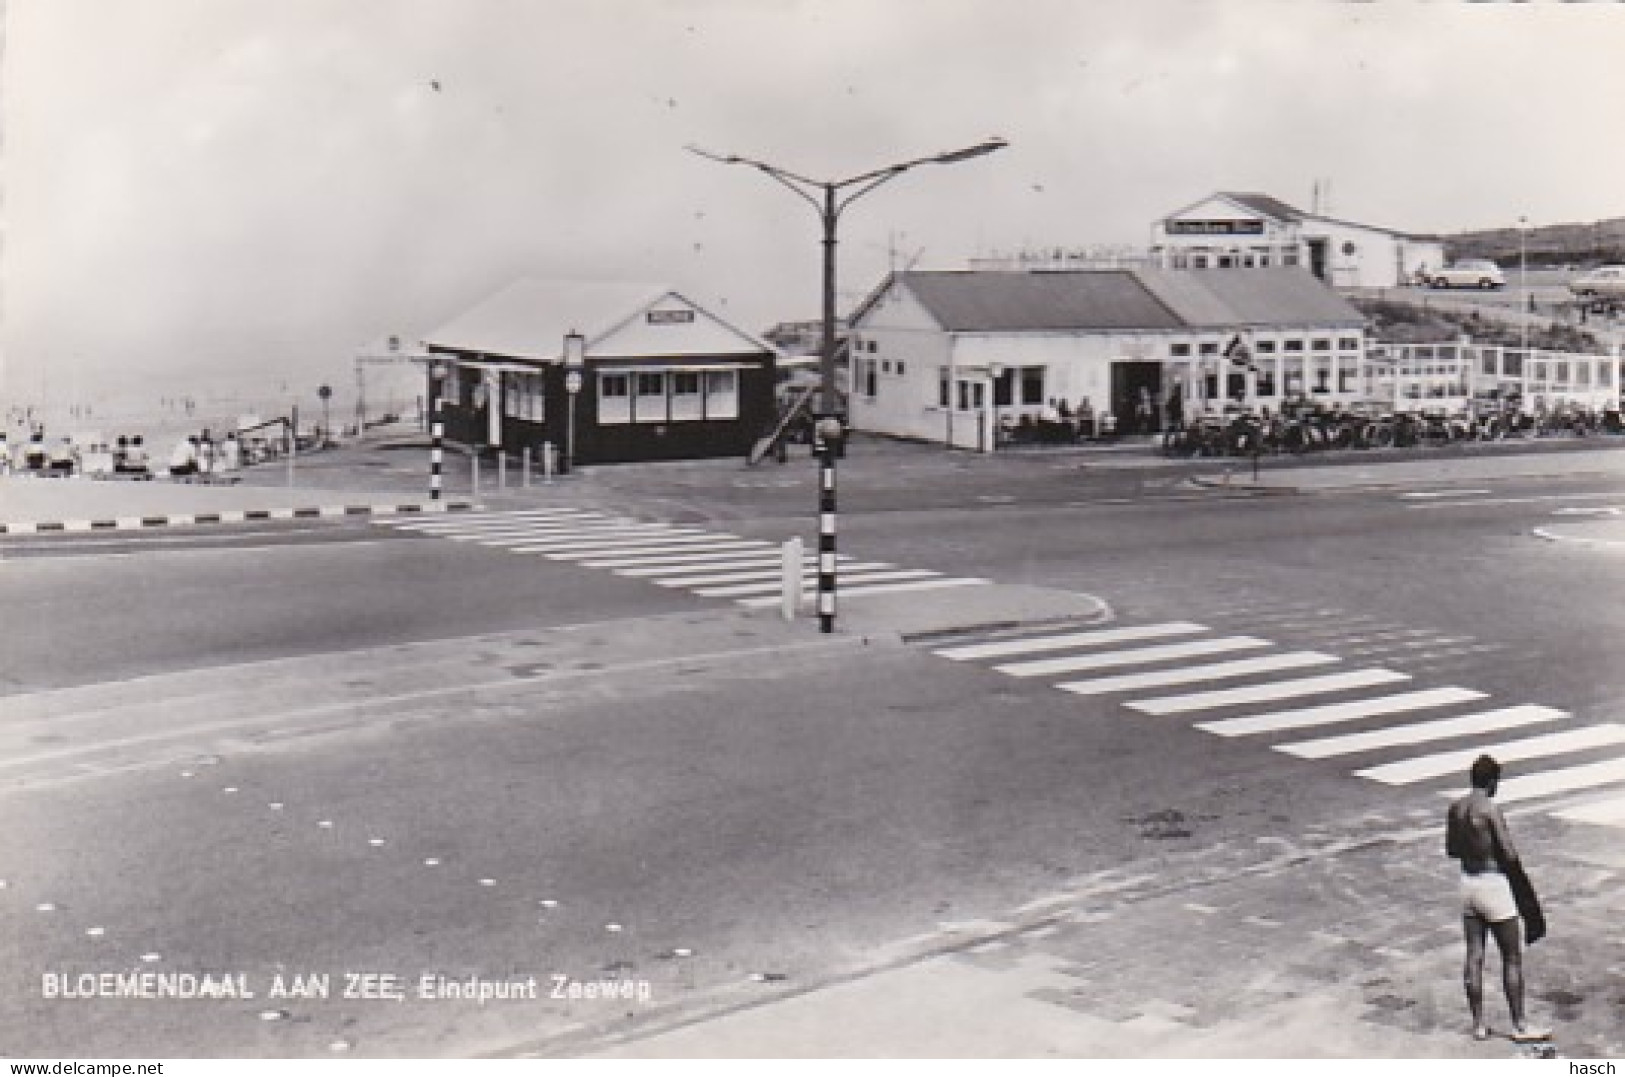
(1247, 434)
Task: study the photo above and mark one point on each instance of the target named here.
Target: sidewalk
(1335, 947)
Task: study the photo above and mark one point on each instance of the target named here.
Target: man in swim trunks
(1476, 834)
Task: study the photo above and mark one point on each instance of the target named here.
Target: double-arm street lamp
(829, 198)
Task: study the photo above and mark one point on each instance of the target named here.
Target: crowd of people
(195, 457)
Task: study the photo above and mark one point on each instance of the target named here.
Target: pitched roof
(530, 317)
(1125, 299)
(1278, 295)
(1268, 205)
(997, 300)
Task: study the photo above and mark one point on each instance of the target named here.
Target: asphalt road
(529, 768)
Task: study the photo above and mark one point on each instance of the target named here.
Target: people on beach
(183, 459)
(1476, 834)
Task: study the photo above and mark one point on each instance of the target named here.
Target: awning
(505, 368)
(612, 367)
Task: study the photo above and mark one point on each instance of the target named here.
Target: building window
(614, 399)
(1265, 382)
(944, 394)
(523, 396)
(722, 394)
(1293, 345)
(1209, 347)
(1321, 344)
(1179, 351)
(687, 399)
(1349, 344)
(868, 371)
(1605, 374)
(1264, 347)
(649, 396)
(901, 368)
(1032, 385)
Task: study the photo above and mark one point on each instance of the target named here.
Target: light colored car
(1604, 282)
(1473, 273)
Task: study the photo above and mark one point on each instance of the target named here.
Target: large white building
(1242, 230)
(946, 355)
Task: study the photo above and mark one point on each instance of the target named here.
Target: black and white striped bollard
(829, 433)
(437, 430)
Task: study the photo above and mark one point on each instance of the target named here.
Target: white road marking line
(1422, 732)
(1003, 648)
(1604, 510)
(1137, 656)
(1307, 686)
(1545, 783)
(530, 538)
(581, 551)
(658, 562)
(1605, 812)
(1442, 493)
(877, 588)
(1338, 712)
(728, 547)
(1424, 767)
(1192, 674)
(809, 571)
(845, 584)
(725, 562)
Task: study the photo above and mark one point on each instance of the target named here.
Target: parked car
(1604, 282)
(1472, 273)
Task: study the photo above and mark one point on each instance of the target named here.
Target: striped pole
(826, 534)
(437, 430)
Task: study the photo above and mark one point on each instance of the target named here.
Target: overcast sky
(251, 189)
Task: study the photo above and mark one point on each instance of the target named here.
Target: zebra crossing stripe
(767, 560)
(882, 588)
(1138, 656)
(1567, 779)
(774, 573)
(1338, 712)
(584, 550)
(720, 546)
(1421, 768)
(543, 534)
(1005, 648)
(1422, 732)
(847, 582)
(1218, 671)
(1604, 812)
(753, 551)
(1258, 693)
(531, 538)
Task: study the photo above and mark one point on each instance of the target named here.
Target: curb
(228, 516)
(1100, 615)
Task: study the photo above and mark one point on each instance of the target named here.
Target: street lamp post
(1523, 281)
(827, 197)
(575, 359)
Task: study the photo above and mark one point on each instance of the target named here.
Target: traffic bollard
(793, 580)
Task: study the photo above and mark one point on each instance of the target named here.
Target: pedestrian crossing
(706, 563)
(1315, 705)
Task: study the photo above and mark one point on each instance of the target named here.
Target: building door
(1137, 396)
(1317, 257)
